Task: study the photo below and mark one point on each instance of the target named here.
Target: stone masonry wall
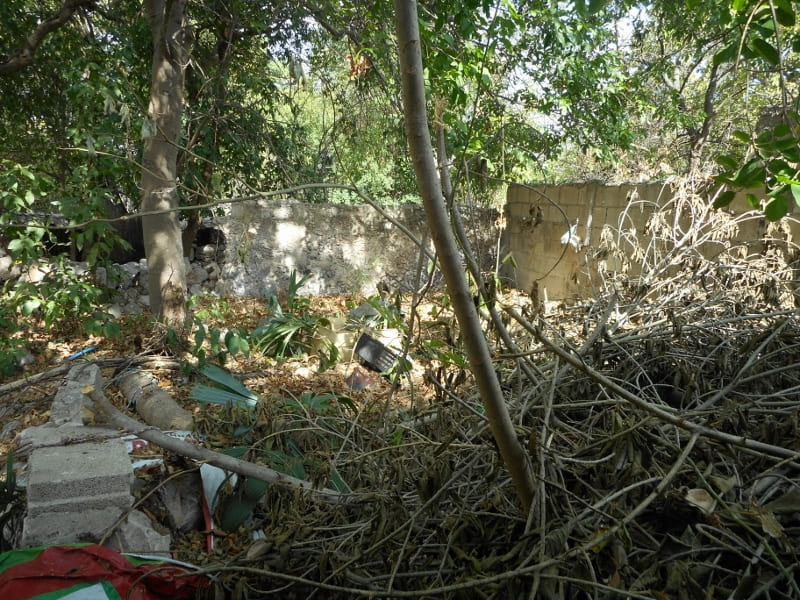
(344, 248)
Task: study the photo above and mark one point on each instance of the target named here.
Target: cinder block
(68, 528)
(116, 501)
(137, 534)
(79, 471)
(43, 436)
(68, 404)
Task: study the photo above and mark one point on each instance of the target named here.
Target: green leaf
(754, 201)
(764, 138)
(236, 393)
(338, 484)
(727, 161)
(236, 343)
(782, 130)
(29, 306)
(766, 51)
(199, 336)
(776, 208)
(784, 13)
(727, 54)
(795, 192)
(224, 378)
(751, 174)
(210, 395)
(724, 199)
(742, 136)
(234, 510)
(780, 168)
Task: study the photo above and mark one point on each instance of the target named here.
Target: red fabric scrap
(60, 567)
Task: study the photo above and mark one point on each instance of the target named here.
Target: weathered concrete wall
(538, 216)
(345, 249)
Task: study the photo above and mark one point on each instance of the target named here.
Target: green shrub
(292, 332)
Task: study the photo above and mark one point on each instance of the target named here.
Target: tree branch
(24, 56)
(229, 463)
(409, 51)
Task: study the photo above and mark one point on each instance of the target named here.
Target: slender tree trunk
(162, 234)
(416, 117)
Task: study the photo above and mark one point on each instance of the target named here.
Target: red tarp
(25, 574)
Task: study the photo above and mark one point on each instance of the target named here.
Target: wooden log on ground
(155, 405)
(198, 453)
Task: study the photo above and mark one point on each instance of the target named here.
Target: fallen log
(154, 404)
(200, 454)
(150, 362)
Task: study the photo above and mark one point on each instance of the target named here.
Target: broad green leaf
(742, 136)
(791, 152)
(29, 306)
(210, 395)
(199, 336)
(236, 393)
(795, 192)
(776, 208)
(235, 509)
(764, 137)
(784, 13)
(750, 175)
(727, 54)
(780, 168)
(727, 161)
(766, 51)
(782, 130)
(236, 344)
(724, 199)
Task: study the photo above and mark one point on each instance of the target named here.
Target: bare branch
(24, 56)
(229, 463)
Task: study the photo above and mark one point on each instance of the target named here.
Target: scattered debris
(358, 380)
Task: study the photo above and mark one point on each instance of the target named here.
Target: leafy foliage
(283, 452)
(771, 159)
(291, 331)
(58, 291)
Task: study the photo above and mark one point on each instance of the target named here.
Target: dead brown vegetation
(661, 418)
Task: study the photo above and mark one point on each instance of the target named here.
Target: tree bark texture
(161, 134)
(416, 120)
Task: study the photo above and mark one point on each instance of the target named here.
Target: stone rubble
(129, 279)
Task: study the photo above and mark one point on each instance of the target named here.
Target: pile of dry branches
(661, 421)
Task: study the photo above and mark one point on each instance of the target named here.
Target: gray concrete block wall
(537, 249)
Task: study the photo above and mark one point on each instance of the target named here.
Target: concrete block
(68, 528)
(137, 535)
(117, 501)
(69, 401)
(79, 471)
(43, 436)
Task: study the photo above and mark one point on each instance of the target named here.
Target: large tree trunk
(162, 234)
(414, 107)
